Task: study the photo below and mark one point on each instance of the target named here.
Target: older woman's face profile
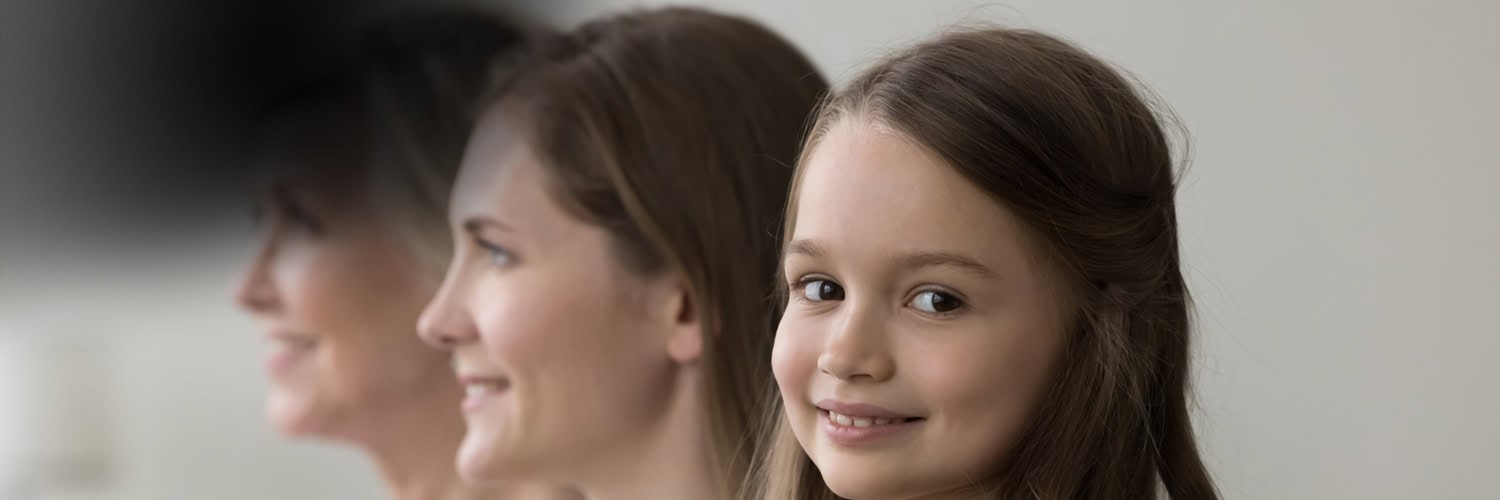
(334, 289)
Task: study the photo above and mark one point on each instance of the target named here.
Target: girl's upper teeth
(859, 421)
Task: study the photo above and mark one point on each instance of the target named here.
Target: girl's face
(337, 292)
(564, 353)
(921, 332)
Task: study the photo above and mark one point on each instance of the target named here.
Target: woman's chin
(480, 461)
(474, 461)
(292, 415)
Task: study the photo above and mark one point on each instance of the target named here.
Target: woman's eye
(305, 220)
(499, 256)
(299, 217)
(935, 302)
(821, 290)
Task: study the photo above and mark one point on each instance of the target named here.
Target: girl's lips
(851, 431)
(860, 410)
(859, 424)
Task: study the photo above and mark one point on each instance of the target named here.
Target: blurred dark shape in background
(127, 124)
(130, 118)
(126, 130)
(126, 136)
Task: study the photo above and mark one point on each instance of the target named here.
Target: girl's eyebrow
(917, 260)
(810, 248)
(910, 260)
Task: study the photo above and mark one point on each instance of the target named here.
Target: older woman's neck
(423, 469)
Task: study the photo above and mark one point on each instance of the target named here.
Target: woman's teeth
(478, 389)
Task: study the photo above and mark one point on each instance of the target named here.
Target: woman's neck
(413, 447)
(669, 460)
(436, 479)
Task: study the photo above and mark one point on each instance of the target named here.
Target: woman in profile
(355, 169)
(609, 304)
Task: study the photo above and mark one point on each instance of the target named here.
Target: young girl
(985, 298)
(609, 302)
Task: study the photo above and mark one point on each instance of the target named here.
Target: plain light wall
(1338, 223)
(1340, 219)
(146, 367)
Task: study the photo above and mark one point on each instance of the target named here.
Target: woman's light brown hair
(675, 130)
(1074, 150)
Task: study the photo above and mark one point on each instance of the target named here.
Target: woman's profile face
(921, 331)
(562, 351)
(334, 289)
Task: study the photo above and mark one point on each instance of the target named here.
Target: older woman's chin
(294, 414)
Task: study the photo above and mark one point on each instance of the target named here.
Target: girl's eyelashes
(817, 289)
(936, 302)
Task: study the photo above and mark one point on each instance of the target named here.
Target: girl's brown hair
(675, 130)
(1074, 150)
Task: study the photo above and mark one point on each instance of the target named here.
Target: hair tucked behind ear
(674, 130)
(1070, 146)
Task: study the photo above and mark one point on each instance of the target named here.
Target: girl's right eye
(819, 290)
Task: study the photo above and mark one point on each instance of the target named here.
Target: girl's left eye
(935, 302)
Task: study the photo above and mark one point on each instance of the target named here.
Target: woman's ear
(685, 332)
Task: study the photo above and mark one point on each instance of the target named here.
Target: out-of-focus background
(1341, 224)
